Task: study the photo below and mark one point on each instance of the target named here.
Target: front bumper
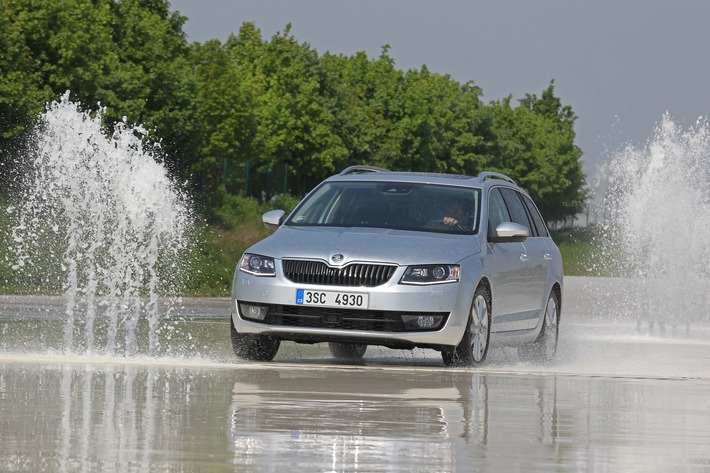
(375, 325)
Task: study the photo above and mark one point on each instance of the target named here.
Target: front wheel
(347, 351)
(545, 346)
(473, 348)
(254, 347)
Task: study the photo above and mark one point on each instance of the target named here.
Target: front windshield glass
(395, 205)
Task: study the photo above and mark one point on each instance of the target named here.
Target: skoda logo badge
(337, 258)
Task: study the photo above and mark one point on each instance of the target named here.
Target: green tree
(276, 111)
(295, 122)
(129, 56)
(534, 144)
(221, 107)
(366, 96)
(382, 90)
(151, 81)
(440, 129)
(359, 125)
(48, 48)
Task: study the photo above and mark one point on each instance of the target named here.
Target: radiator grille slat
(357, 274)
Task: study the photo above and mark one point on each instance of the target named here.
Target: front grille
(356, 274)
(342, 319)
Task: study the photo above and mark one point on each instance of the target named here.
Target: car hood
(367, 244)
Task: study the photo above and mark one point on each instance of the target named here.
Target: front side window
(516, 208)
(497, 211)
(394, 205)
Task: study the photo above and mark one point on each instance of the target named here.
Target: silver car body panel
(367, 245)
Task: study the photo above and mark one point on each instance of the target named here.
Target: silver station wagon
(403, 260)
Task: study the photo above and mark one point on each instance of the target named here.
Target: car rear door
(536, 253)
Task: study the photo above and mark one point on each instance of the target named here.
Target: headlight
(258, 265)
(431, 274)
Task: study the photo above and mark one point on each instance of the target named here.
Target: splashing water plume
(657, 228)
(107, 210)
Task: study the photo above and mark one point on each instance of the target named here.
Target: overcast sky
(620, 64)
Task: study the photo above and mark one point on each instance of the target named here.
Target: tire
(347, 351)
(254, 347)
(473, 348)
(544, 347)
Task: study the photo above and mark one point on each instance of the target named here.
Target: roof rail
(359, 169)
(495, 175)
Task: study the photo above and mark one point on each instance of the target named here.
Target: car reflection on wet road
(615, 401)
(74, 415)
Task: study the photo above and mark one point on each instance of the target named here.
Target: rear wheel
(347, 351)
(473, 348)
(545, 346)
(254, 347)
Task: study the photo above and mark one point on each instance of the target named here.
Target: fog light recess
(421, 322)
(252, 311)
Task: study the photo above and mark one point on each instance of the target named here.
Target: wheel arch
(485, 282)
(557, 289)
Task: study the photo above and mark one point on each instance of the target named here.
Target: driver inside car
(455, 214)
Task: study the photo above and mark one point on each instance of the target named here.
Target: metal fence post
(285, 178)
(224, 173)
(246, 179)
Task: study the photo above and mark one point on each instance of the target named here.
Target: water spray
(105, 211)
(657, 227)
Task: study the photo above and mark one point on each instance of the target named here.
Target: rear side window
(536, 217)
(518, 214)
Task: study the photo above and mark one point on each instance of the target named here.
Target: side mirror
(509, 232)
(273, 219)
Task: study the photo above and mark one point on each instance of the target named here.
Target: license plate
(357, 300)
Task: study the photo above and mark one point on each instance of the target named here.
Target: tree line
(275, 102)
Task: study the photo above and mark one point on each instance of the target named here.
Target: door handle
(547, 256)
(524, 258)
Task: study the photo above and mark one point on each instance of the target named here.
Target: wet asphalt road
(625, 394)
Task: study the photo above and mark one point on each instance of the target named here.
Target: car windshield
(395, 205)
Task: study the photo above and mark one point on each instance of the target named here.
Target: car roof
(371, 173)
